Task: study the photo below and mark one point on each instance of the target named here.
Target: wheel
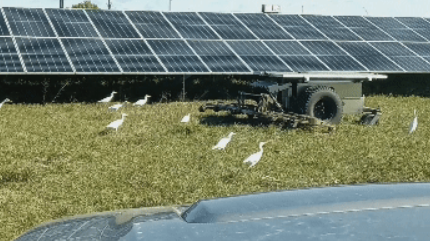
(321, 102)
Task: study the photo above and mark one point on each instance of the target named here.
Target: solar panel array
(73, 41)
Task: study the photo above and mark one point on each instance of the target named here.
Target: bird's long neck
(261, 148)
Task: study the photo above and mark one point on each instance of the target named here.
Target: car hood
(360, 212)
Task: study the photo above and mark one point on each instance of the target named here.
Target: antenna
(109, 4)
(61, 3)
(365, 10)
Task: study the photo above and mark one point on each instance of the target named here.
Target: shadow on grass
(104, 132)
(214, 120)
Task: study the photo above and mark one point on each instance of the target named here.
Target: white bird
(186, 119)
(107, 99)
(414, 123)
(254, 158)
(223, 142)
(117, 106)
(142, 102)
(116, 124)
(4, 101)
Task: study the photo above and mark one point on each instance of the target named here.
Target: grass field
(58, 160)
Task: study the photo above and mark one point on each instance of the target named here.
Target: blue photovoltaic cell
(89, 55)
(402, 56)
(134, 56)
(369, 57)
(262, 26)
(7, 46)
(152, 24)
(3, 27)
(10, 63)
(422, 49)
(258, 56)
(395, 29)
(296, 56)
(112, 24)
(71, 23)
(28, 22)
(298, 27)
(334, 57)
(177, 56)
(419, 25)
(43, 55)
(364, 28)
(9, 60)
(218, 56)
(227, 26)
(331, 28)
(190, 26)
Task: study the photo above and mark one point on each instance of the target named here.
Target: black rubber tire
(321, 102)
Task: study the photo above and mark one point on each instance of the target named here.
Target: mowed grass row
(58, 160)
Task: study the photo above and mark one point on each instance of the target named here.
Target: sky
(384, 8)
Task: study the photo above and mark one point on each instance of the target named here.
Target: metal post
(109, 4)
(61, 3)
(183, 88)
(170, 5)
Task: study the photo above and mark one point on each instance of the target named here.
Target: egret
(414, 123)
(142, 102)
(117, 106)
(107, 99)
(254, 158)
(116, 124)
(223, 142)
(4, 101)
(186, 119)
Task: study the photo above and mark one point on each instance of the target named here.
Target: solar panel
(152, 24)
(296, 56)
(334, 57)
(28, 22)
(363, 28)
(218, 57)
(43, 55)
(298, 27)
(402, 56)
(89, 55)
(227, 26)
(198, 43)
(331, 28)
(369, 57)
(177, 56)
(397, 30)
(72, 23)
(422, 49)
(419, 25)
(258, 56)
(112, 24)
(191, 26)
(3, 27)
(134, 56)
(9, 60)
(262, 26)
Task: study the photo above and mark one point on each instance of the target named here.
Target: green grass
(58, 160)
